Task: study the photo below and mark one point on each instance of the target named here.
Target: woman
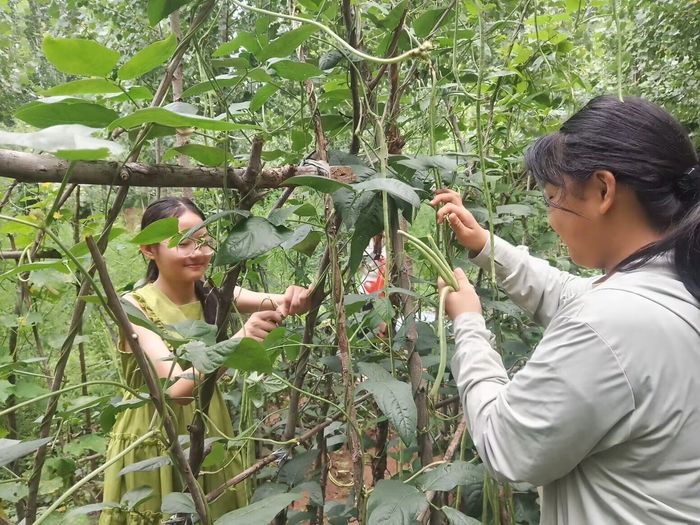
(174, 293)
(606, 413)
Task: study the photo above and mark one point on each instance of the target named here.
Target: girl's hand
(467, 231)
(260, 324)
(296, 300)
(465, 300)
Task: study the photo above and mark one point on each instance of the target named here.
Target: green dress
(133, 423)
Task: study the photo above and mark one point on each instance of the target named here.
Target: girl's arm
(257, 327)
(295, 300)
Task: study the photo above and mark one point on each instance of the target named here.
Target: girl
(174, 292)
(606, 413)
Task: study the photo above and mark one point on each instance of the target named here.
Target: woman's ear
(606, 188)
(148, 251)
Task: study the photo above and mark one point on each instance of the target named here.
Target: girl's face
(187, 262)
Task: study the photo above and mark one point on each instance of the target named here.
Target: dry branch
(30, 167)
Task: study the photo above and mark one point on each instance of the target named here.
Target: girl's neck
(179, 293)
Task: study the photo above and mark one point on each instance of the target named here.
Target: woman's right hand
(259, 324)
(467, 231)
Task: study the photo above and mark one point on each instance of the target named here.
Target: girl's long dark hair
(176, 207)
(646, 149)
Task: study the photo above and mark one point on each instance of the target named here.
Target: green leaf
(519, 210)
(450, 475)
(263, 511)
(40, 265)
(157, 231)
(455, 517)
(250, 238)
(159, 9)
(393, 502)
(176, 503)
(165, 117)
(330, 59)
(425, 23)
(218, 82)
(44, 115)
(149, 58)
(243, 39)
(136, 496)
(285, 44)
(13, 492)
(80, 249)
(6, 390)
(304, 240)
(393, 187)
(89, 509)
(76, 56)
(207, 155)
(244, 354)
(262, 95)
(365, 222)
(317, 182)
(74, 137)
(293, 70)
(11, 450)
(146, 465)
(86, 86)
(394, 399)
(297, 469)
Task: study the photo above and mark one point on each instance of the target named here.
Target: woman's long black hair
(176, 207)
(646, 149)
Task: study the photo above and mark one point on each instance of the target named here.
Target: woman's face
(573, 216)
(187, 262)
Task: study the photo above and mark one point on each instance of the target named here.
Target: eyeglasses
(205, 244)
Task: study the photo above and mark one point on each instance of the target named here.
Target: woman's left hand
(463, 301)
(296, 300)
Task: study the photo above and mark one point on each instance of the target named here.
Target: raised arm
(538, 426)
(532, 283)
(256, 327)
(295, 300)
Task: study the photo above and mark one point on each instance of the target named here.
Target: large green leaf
(285, 44)
(136, 496)
(250, 238)
(46, 114)
(393, 502)
(297, 470)
(89, 509)
(146, 465)
(11, 450)
(157, 231)
(218, 82)
(244, 354)
(450, 475)
(159, 9)
(65, 138)
(176, 503)
(304, 240)
(425, 23)
(165, 117)
(393, 187)
(368, 223)
(262, 95)
(243, 39)
(85, 86)
(263, 511)
(76, 56)
(455, 517)
(207, 155)
(394, 399)
(317, 182)
(149, 58)
(293, 70)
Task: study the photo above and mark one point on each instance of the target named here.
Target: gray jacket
(606, 413)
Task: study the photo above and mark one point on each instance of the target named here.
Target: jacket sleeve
(538, 426)
(531, 283)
